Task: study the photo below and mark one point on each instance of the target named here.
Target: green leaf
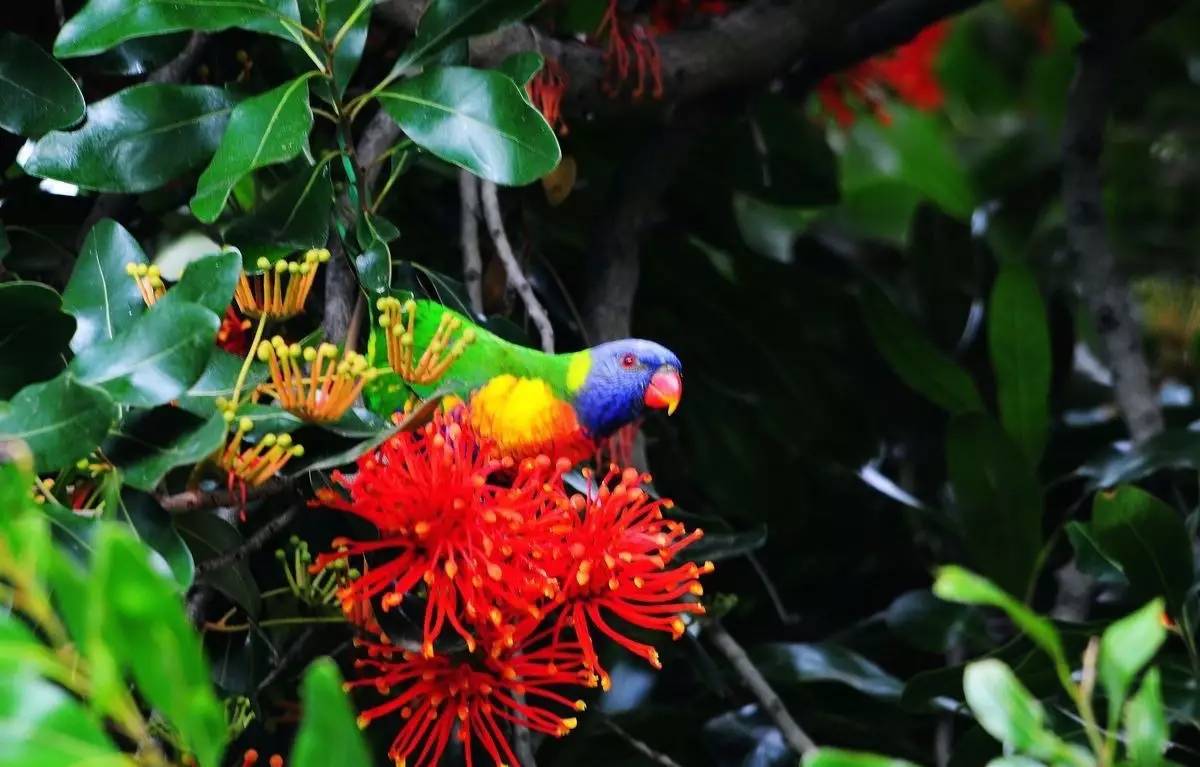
(795, 663)
(1172, 449)
(834, 757)
(37, 94)
(149, 443)
(351, 19)
(1125, 648)
(103, 298)
(295, 217)
(208, 281)
(102, 24)
(1090, 558)
(955, 584)
(217, 380)
(138, 618)
(933, 625)
(1146, 730)
(43, 726)
(1019, 341)
(61, 420)
(374, 264)
(1003, 706)
(140, 56)
(998, 501)
(156, 359)
(522, 67)
(328, 719)
(137, 139)
(34, 333)
(717, 546)
(445, 21)
(266, 129)
(1147, 538)
(208, 536)
(920, 364)
(476, 119)
(154, 527)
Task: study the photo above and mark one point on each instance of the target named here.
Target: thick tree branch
(194, 500)
(1106, 293)
(468, 195)
(512, 268)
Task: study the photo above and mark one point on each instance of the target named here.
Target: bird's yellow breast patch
(523, 417)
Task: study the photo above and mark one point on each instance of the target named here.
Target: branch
(516, 277)
(1107, 295)
(250, 545)
(468, 195)
(641, 747)
(194, 500)
(773, 707)
(750, 44)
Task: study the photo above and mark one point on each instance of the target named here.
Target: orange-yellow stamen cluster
(329, 387)
(253, 464)
(282, 288)
(149, 281)
(398, 319)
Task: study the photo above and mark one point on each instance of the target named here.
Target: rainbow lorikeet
(527, 401)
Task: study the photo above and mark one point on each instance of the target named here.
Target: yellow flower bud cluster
(280, 291)
(253, 464)
(322, 393)
(149, 281)
(398, 320)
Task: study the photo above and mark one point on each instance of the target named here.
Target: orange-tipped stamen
(149, 281)
(280, 290)
(398, 320)
(326, 391)
(255, 464)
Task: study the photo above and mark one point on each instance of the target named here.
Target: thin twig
(786, 616)
(772, 706)
(641, 747)
(468, 195)
(293, 652)
(516, 277)
(250, 545)
(193, 500)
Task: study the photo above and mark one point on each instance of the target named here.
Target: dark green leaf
(476, 119)
(154, 527)
(1019, 341)
(350, 19)
(1089, 557)
(997, 500)
(1172, 449)
(833, 757)
(1126, 647)
(43, 726)
(328, 719)
(141, 55)
(933, 625)
(149, 443)
(295, 217)
(1147, 538)
(142, 624)
(781, 157)
(445, 21)
(374, 263)
(266, 129)
(208, 536)
(784, 663)
(914, 358)
(208, 281)
(103, 298)
(62, 420)
(156, 359)
(37, 94)
(218, 379)
(137, 139)
(718, 546)
(521, 67)
(1146, 730)
(34, 334)
(102, 24)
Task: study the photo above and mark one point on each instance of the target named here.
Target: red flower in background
(234, 334)
(908, 73)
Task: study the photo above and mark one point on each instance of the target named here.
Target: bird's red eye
(628, 361)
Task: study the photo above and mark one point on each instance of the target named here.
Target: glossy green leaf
(61, 420)
(934, 625)
(154, 527)
(158, 358)
(149, 443)
(348, 20)
(328, 719)
(140, 620)
(208, 536)
(521, 67)
(834, 757)
(208, 281)
(103, 298)
(137, 139)
(1146, 729)
(998, 501)
(266, 129)
(1090, 558)
(1171, 449)
(914, 358)
(445, 21)
(796, 663)
(102, 24)
(1126, 646)
(295, 217)
(1019, 341)
(374, 264)
(140, 56)
(1149, 541)
(36, 93)
(715, 546)
(34, 334)
(955, 584)
(217, 380)
(476, 119)
(41, 725)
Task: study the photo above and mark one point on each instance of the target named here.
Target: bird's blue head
(620, 380)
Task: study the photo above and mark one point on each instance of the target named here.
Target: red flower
(669, 15)
(447, 522)
(233, 335)
(630, 50)
(546, 91)
(473, 696)
(618, 552)
(908, 72)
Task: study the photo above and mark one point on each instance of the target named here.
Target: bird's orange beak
(665, 390)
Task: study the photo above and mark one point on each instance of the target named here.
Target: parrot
(526, 401)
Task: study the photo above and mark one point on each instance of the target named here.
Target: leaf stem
(241, 379)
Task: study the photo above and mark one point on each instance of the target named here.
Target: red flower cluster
(907, 72)
(546, 91)
(525, 573)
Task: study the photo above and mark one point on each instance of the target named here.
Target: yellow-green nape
(577, 370)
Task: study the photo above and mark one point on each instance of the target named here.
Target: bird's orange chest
(525, 418)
